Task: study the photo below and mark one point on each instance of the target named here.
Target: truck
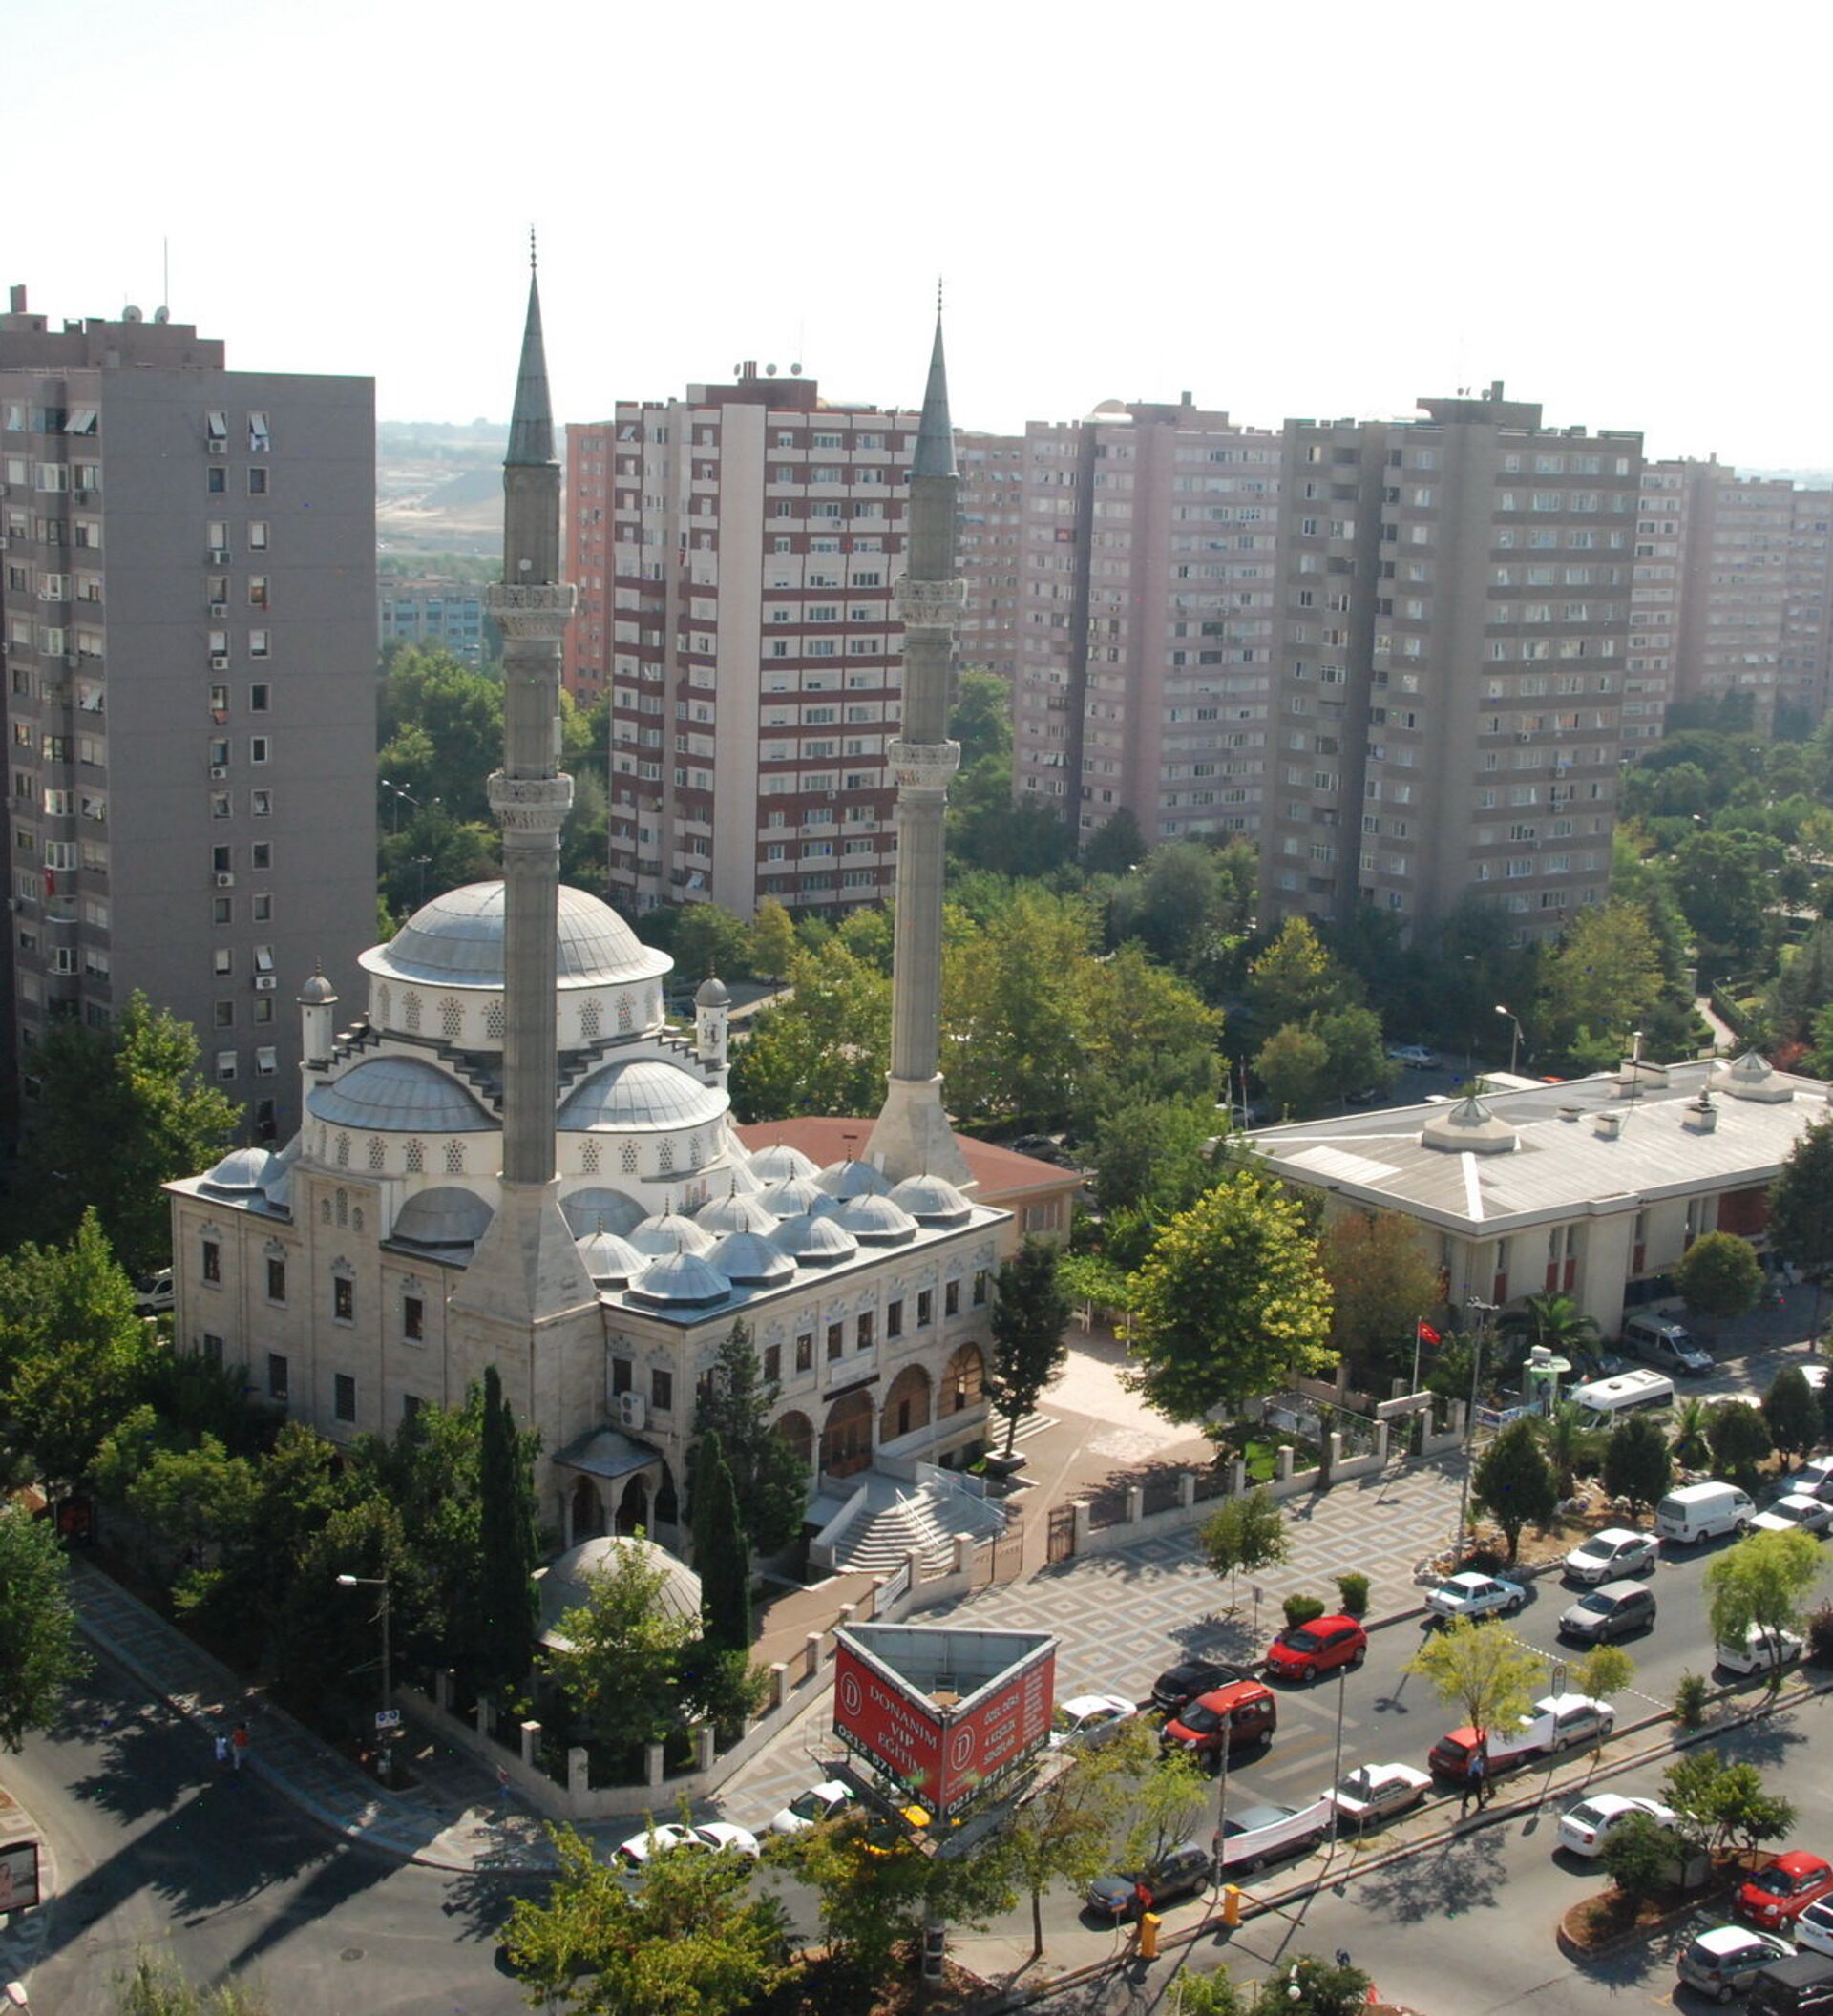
(1556, 1723)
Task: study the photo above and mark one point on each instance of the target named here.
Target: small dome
(641, 1093)
(1751, 1076)
(317, 992)
(456, 940)
(609, 1260)
(795, 1195)
(399, 1095)
(444, 1217)
(816, 1240)
(1468, 1127)
(877, 1221)
(243, 1170)
(567, 1584)
(930, 1201)
(780, 1162)
(748, 1260)
(736, 1211)
(680, 1281)
(591, 1209)
(854, 1179)
(712, 993)
(669, 1233)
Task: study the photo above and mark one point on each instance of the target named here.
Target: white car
(1586, 1827)
(1795, 1513)
(1472, 1595)
(1088, 1717)
(1612, 1554)
(808, 1809)
(1760, 1651)
(1814, 1479)
(1814, 1927)
(1415, 1054)
(715, 1838)
(1377, 1792)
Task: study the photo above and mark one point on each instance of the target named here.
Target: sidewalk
(22, 1941)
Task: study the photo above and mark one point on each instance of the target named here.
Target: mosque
(510, 1156)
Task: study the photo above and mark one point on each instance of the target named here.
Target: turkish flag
(1426, 1333)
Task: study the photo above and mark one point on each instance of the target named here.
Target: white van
(1606, 1402)
(1669, 1347)
(1698, 1512)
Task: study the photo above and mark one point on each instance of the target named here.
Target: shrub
(1689, 1700)
(1819, 1636)
(1301, 1609)
(1638, 1857)
(1351, 1590)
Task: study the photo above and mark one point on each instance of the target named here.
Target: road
(155, 1851)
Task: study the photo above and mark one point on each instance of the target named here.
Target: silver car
(1612, 1554)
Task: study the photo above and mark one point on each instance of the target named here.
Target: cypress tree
(722, 1551)
(504, 1638)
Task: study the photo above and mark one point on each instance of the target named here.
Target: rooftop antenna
(165, 270)
(939, 293)
(531, 248)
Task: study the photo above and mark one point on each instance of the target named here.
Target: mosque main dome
(456, 940)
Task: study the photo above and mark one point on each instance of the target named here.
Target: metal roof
(643, 1092)
(456, 940)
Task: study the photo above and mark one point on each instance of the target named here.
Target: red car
(1241, 1715)
(1776, 1897)
(1305, 1651)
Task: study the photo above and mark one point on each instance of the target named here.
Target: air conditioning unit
(266, 983)
(218, 444)
(218, 608)
(633, 1412)
(220, 556)
(219, 661)
(224, 879)
(217, 772)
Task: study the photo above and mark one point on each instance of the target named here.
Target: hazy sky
(1323, 210)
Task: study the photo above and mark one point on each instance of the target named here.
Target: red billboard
(942, 1712)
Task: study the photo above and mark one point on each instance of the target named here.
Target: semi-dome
(737, 1211)
(242, 1169)
(680, 1281)
(780, 1162)
(609, 1260)
(456, 940)
(443, 1217)
(669, 1233)
(567, 1583)
(795, 1195)
(877, 1221)
(399, 1095)
(816, 1240)
(749, 1260)
(854, 1179)
(641, 1093)
(587, 1210)
(930, 1201)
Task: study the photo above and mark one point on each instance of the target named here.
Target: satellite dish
(162, 314)
(131, 313)
(795, 370)
(770, 370)
(736, 370)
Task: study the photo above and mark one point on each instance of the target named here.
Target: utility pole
(1481, 1312)
(385, 1730)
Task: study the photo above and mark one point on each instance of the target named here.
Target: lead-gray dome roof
(853, 1178)
(680, 1280)
(669, 1233)
(751, 1261)
(642, 1092)
(737, 1211)
(456, 940)
(816, 1239)
(399, 1095)
(795, 1195)
(930, 1200)
(589, 1210)
(609, 1260)
(780, 1162)
(243, 1170)
(446, 1216)
(712, 993)
(877, 1221)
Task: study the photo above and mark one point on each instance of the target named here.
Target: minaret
(911, 1136)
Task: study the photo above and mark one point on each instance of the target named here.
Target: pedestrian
(239, 1744)
(502, 1781)
(223, 1750)
(1141, 1899)
(1472, 1784)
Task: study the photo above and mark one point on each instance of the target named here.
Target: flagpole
(1418, 1321)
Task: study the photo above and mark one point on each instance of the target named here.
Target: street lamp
(1480, 1312)
(383, 1732)
(395, 811)
(1514, 1039)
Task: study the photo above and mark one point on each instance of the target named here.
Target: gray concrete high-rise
(188, 609)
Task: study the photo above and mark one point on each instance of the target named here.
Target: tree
(1637, 1856)
(439, 734)
(1719, 1802)
(1792, 1412)
(824, 1050)
(1552, 1320)
(981, 719)
(1722, 882)
(508, 1546)
(688, 1939)
(1604, 1672)
(1294, 1066)
(871, 1903)
(708, 941)
(1636, 1463)
(769, 1480)
(1569, 1443)
(616, 1660)
(1801, 1205)
(1115, 845)
(1487, 1675)
(1355, 1060)
(1691, 1443)
(1211, 1994)
(38, 1652)
(1514, 1483)
(771, 945)
(1294, 979)
(1381, 1285)
(1763, 1583)
(1740, 1439)
(1719, 1275)
(1167, 1803)
(1154, 1153)
(1324, 1987)
(1063, 1832)
(722, 1550)
(1605, 975)
(1231, 1301)
(1248, 1532)
(1030, 1313)
(122, 1111)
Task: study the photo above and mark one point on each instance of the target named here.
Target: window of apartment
(267, 1055)
(662, 1390)
(263, 854)
(216, 480)
(621, 1370)
(893, 1320)
(951, 1298)
(257, 591)
(258, 534)
(222, 910)
(257, 482)
(226, 1067)
(837, 1340)
(262, 909)
(212, 1347)
(276, 1376)
(224, 1013)
(260, 804)
(258, 697)
(343, 1397)
(259, 442)
(772, 1364)
(925, 1308)
(413, 1319)
(257, 644)
(211, 1262)
(276, 1279)
(343, 1299)
(258, 748)
(979, 1288)
(805, 1350)
(863, 1337)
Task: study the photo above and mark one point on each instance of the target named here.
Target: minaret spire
(912, 1134)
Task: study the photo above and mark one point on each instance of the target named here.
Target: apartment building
(1147, 618)
(438, 612)
(188, 610)
(735, 552)
(1450, 721)
(1658, 585)
(990, 544)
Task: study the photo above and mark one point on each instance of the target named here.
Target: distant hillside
(440, 486)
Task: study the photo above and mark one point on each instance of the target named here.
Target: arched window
(416, 1158)
(454, 1158)
(493, 1020)
(628, 1158)
(626, 1016)
(665, 1155)
(452, 1016)
(343, 1151)
(384, 1003)
(324, 1211)
(343, 1206)
(590, 1016)
(411, 1015)
(589, 1158)
(376, 1152)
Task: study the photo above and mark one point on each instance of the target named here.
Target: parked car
(1472, 1595)
(1794, 1512)
(1776, 1896)
(1253, 1835)
(1814, 1927)
(1612, 1554)
(1671, 1347)
(716, 1836)
(1373, 1793)
(1725, 1960)
(1760, 1651)
(1586, 1827)
(1307, 1652)
(154, 1294)
(1417, 1055)
(1179, 1684)
(808, 1809)
(1243, 1713)
(1612, 1611)
(1815, 1478)
(1555, 1724)
(1180, 1872)
(1088, 1717)
(1707, 1511)
(1801, 1986)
